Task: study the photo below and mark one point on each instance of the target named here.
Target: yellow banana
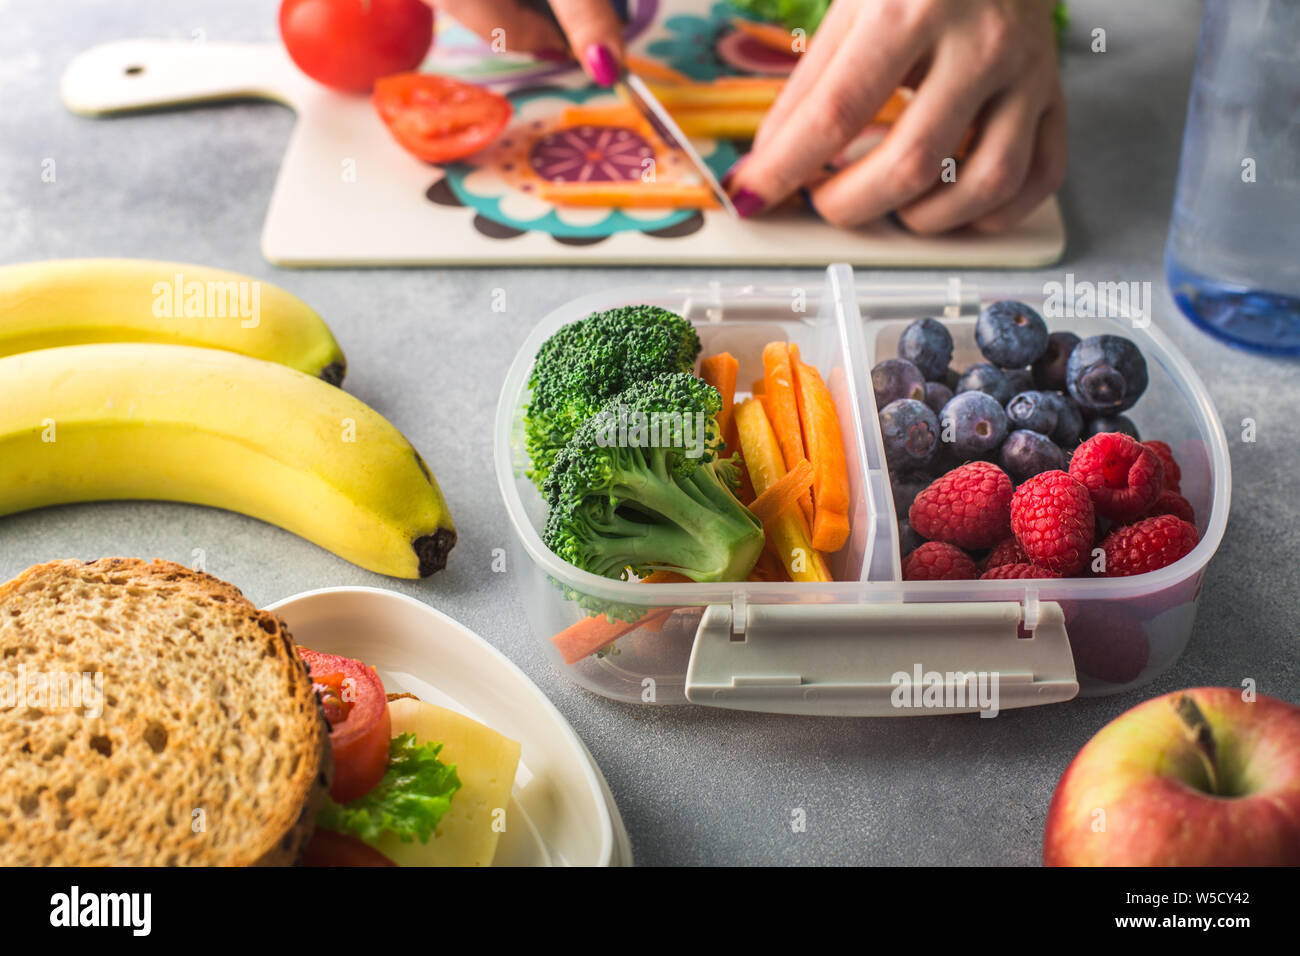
(178, 423)
(79, 301)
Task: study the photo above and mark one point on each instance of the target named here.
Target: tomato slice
(438, 119)
(327, 848)
(360, 728)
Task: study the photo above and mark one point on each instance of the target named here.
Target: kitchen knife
(634, 90)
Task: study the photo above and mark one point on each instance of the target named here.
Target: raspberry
(939, 561)
(1148, 545)
(1052, 517)
(1006, 572)
(1173, 474)
(1123, 476)
(1007, 551)
(970, 506)
(1172, 503)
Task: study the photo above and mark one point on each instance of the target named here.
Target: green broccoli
(640, 487)
(585, 364)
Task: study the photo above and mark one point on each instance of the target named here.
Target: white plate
(567, 813)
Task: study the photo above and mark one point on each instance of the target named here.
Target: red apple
(1198, 777)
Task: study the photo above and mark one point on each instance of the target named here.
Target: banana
(80, 301)
(179, 423)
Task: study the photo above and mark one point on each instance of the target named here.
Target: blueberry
(1025, 454)
(1049, 370)
(1034, 411)
(951, 378)
(1010, 334)
(1069, 420)
(908, 539)
(906, 486)
(1106, 374)
(983, 377)
(911, 433)
(897, 378)
(927, 344)
(1021, 379)
(974, 424)
(937, 395)
(1111, 423)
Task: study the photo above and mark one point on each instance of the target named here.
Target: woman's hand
(589, 28)
(982, 65)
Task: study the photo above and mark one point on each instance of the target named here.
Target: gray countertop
(694, 785)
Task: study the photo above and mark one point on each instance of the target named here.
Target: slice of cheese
(485, 762)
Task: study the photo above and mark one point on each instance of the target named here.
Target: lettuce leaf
(409, 800)
(791, 14)
(807, 14)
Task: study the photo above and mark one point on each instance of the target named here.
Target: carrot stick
(592, 633)
(821, 433)
(785, 492)
(720, 371)
(757, 388)
(618, 114)
(768, 569)
(699, 96)
(719, 122)
(768, 34)
(789, 538)
(783, 409)
(649, 69)
(629, 195)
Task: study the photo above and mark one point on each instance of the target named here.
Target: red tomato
(360, 728)
(327, 848)
(348, 44)
(438, 119)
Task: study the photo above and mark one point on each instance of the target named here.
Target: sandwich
(150, 715)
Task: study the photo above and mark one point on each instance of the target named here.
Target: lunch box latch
(882, 660)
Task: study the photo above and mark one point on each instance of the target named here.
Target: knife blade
(634, 90)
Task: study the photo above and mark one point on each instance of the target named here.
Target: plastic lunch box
(840, 647)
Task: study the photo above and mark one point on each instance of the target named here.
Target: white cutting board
(347, 195)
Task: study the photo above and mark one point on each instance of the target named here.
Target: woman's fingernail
(600, 64)
(553, 56)
(731, 173)
(747, 203)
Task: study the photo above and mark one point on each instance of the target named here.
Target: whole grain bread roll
(205, 746)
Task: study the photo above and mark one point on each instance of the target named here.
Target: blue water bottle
(1233, 256)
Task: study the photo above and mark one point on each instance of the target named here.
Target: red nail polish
(600, 64)
(747, 203)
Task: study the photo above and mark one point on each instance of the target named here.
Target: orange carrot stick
(592, 633)
(720, 371)
(629, 195)
(820, 424)
(616, 114)
(789, 538)
(785, 492)
(783, 410)
(649, 69)
(768, 569)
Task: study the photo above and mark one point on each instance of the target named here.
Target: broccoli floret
(640, 487)
(585, 364)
